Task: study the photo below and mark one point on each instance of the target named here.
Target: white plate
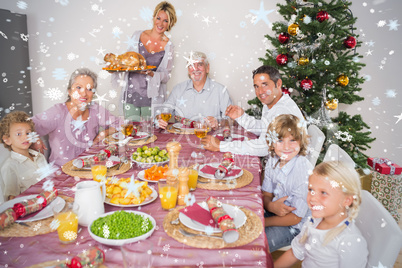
(236, 213)
(121, 136)
(46, 212)
(235, 136)
(120, 242)
(141, 176)
(180, 126)
(216, 165)
(149, 165)
(149, 199)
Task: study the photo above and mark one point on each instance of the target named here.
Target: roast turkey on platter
(129, 61)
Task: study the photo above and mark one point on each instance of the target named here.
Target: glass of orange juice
(99, 171)
(168, 194)
(67, 223)
(192, 179)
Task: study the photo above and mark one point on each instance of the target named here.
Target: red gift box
(384, 166)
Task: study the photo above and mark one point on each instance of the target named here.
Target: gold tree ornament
(303, 61)
(331, 104)
(292, 29)
(342, 80)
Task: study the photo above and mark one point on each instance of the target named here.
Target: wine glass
(200, 130)
(166, 115)
(127, 128)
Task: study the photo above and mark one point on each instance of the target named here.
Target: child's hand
(279, 208)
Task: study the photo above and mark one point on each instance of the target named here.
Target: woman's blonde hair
(349, 181)
(170, 11)
(287, 124)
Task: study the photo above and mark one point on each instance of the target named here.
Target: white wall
(67, 34)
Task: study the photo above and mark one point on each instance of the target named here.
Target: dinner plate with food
(125, 193)
(153, 174)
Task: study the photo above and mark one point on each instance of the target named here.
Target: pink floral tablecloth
(26, 251)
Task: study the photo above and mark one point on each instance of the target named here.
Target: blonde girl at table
(330, 238)
(285, 183)
(143, 91)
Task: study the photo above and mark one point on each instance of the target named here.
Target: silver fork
(184, 232)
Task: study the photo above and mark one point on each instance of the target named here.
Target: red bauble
(350, 42)
(285, 90)
(322, 15)
(282, 59)
(306, 84)
(284, 38)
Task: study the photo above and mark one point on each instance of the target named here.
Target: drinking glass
(146, 124)
(168, 194)
(67, 222)
(99, 171)
(192, 179)
(138, 254)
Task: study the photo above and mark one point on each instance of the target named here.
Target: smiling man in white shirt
(267, 85)
(198, 96)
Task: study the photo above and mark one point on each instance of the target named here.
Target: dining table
(37, 245)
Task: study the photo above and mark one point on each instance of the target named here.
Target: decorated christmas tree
(315, 51)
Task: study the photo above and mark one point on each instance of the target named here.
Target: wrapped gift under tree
(386, 185)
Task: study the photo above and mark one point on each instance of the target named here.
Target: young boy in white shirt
(19, 170)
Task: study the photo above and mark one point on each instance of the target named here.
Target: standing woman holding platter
(143, 91)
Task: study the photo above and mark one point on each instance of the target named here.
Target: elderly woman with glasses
(74, 125)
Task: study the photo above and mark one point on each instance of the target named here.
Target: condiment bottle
(173, 149)
(183, 186)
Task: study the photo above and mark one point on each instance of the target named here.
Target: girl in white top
(330, 238)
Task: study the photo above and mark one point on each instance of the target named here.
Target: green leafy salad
(121, 225)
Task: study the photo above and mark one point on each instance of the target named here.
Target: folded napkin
(197, 213)
(207, 169)
(221, 138)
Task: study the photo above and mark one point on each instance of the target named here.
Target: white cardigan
(157, 88)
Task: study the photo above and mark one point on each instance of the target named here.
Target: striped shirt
(291, 180)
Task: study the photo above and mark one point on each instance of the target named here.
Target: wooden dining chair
(317, 139)
(382, 233)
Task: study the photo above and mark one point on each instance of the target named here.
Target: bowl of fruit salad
(146, 157)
